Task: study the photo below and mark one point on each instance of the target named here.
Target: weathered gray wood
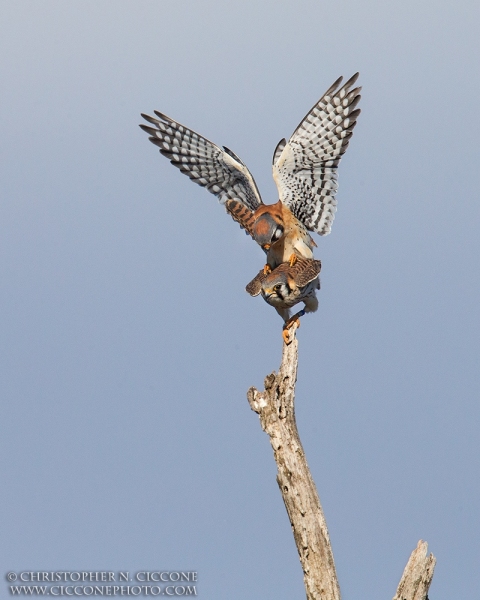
(275, 407)
(417, 576)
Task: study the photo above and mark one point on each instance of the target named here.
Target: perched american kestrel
(286, 286)
(304, 170)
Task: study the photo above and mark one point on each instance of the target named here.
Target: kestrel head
(287, 285)
(267, 230)
(279, 288)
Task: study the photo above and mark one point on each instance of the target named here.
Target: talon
(293, 259)
(295, 319)
(287, 325)
(267, 269)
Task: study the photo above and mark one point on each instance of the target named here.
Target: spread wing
(220, 171)
(305, 167)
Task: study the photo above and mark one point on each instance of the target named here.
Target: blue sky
(129, 342)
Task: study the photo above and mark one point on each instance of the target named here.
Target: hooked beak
(268, 292)
(266, 246)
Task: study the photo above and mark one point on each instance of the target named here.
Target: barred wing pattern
(220, 171)
(241, 214)
(305, 167)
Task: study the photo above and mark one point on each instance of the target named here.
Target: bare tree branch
(275, 406)
(276, 409)
(417, 576)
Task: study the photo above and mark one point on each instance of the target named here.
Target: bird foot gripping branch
(287, 334)
(291, 325)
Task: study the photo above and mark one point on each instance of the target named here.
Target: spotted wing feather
(306, 169)
(219, 170)
(305, 270)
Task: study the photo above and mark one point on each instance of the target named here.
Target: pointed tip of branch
(417, 576)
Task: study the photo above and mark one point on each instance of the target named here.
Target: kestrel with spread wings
(304, 170)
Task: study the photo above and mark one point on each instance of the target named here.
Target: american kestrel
(304, 170)
(286, 286)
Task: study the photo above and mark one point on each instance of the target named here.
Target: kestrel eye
(278, 287)
(278, 233)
